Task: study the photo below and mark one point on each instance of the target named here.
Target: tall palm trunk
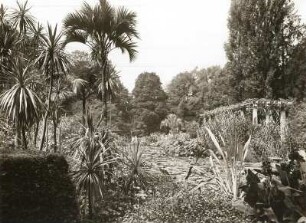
(83, 108)
(90, 203)
(17, 136)
(24, 138)
(36, 132)
(104, 113)
(55, 133)
(46, 114)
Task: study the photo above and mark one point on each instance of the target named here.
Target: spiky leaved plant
(92, 159)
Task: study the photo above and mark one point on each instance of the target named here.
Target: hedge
(36, 189)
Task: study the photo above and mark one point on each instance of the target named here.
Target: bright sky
(176, 35)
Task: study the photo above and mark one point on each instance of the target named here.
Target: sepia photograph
(153, 111)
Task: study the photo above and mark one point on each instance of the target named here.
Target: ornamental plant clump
(278, 194)
(229, 167)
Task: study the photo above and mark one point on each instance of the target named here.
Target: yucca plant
(92, 161)
(20, 102)
(132, 158)
(229, 167)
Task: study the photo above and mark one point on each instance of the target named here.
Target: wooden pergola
(280, 106)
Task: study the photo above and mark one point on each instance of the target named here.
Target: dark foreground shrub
(36, 188)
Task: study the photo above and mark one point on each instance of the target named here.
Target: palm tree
(103, 28)
(111, 89)
(22, 19)
(21, 103)
(53, 61)
(91, 157)
(80, 88)
(173, 123)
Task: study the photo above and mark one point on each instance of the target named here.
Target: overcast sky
(176, 35)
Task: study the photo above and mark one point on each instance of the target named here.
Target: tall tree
(149, 101)
(103, 28)
(53, 62)
(83, 76)
(20, 102)
(262, 36)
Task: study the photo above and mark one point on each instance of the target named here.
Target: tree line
(40, 81)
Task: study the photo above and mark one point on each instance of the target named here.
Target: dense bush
(181, 145)
(36, 188)
(297, 124)
(266, 142)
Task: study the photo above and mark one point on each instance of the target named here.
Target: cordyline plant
(229, 167)
(132, 158)
(92, 163)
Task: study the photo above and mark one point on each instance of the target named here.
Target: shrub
(185, 207)
(227, 127)
(297, 124)
(36, 188)
(266, 142)
(278, 195)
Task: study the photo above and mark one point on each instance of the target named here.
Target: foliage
(258, 58)
(149, 104)
(297, 123)
(180, 145)
(92, 169)
(103, 28)
(227, 126)
(53, 62)
(36, 188)
(229, 167)
(183, 206)
(172, 123)
(266, 142)
(132, 158)
(191, 93)
(21, 104)
(278, 195)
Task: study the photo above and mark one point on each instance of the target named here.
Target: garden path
(178, 167)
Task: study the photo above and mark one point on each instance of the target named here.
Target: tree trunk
(84, 109)
(17, 136)
(55, 133)
(90, 210)
(60, 139)
(104, 94)
(24, 138)
(36, 133)
(46, 114)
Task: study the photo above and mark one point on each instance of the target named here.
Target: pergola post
(242, 113)
(283, 125)
(255, 114)
(268, 117)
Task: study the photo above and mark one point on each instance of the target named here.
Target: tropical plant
(229, 167)
(132, 158)
(20, 102)
(53, 61)
(103, 28)
(79, 87)
(278, 194)
(173, 123)
(92, 159)
(22, 19)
